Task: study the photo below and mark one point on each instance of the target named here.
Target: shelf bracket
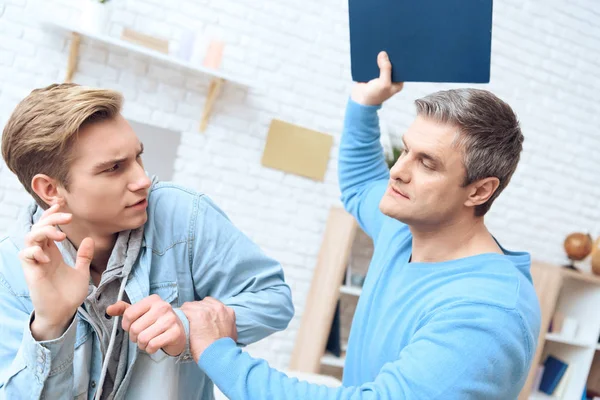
(73, 56)
(213, 92)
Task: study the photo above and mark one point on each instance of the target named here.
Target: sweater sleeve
(467, 352)
(363, 172)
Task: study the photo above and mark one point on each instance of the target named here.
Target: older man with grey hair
(446, 311)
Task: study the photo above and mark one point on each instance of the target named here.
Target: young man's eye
(113, 168)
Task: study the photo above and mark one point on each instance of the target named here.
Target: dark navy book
(427, 40)
(554, 369)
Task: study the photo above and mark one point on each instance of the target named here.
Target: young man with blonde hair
(101, 240)
(445, 311)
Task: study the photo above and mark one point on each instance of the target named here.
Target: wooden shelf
(580, 276)
(333, 361)
(350, 290)
(541, 396)
(324, 294)
(553, 337)
(218, 77)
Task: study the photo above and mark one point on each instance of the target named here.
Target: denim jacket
(190, 250)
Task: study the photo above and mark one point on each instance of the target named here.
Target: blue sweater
(462, 329)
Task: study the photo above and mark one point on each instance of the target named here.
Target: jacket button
(93, 384)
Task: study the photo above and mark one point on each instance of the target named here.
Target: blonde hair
(38, 136)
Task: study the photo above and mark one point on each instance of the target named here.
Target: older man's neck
(452, 240)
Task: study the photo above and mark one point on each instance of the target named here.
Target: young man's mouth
(143, 203)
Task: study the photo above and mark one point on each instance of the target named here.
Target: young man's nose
(141, 180)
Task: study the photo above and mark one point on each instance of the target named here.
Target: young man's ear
(481, 191)
(47, 189)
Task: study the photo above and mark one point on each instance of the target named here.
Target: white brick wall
(546, 64)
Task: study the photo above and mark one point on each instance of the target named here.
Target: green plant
(396, 151)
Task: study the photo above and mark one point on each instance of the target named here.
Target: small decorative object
(357, 279)
(94, 15)
(569, 327)
(151, 42)
(596, 257)
(198, 49)
(214, 54)
(578, 246)
(186, 44)
(297, 150)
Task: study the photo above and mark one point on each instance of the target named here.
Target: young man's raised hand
(56, 289)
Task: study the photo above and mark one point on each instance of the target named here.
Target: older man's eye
(428, 166)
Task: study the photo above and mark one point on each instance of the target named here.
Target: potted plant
(94, 15)
(393, 157)
(392, 148)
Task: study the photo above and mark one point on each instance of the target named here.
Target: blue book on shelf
(554, 369)
(427, 40)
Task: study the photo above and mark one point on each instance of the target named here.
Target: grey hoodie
(110, 290)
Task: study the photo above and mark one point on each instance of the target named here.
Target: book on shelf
(554, 370)
(538, 378)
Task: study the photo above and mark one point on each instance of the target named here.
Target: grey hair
(488, 134)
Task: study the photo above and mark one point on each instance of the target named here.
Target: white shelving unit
(333, 361)
(578, 298)
(541, 396)
(329, 359)
(553, 337)
(350, 290)
(218, 77)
